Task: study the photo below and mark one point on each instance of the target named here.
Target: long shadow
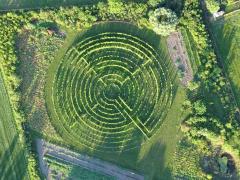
(155, 157)
(13, 164)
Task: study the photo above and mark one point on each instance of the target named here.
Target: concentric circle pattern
(111, 89)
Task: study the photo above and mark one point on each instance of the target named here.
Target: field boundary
(84, 161)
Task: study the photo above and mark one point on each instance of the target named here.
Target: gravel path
(83, 161)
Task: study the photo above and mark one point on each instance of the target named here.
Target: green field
(142, 52)
(227, 36)
(33, 4)
(13, 164)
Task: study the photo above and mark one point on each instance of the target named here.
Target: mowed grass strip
(13, 164)
(227, 36)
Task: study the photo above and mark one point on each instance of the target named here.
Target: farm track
(82, 161)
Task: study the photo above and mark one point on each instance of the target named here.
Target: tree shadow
(155, 157)
(13, 161)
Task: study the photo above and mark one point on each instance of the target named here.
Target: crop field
(111, 89)
(11, 151)
(227, 37)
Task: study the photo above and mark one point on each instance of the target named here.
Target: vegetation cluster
(214, 117)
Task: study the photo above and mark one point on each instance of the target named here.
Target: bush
(164, 21)
(155, 3)
(212, 5)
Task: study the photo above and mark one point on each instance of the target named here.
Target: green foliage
(155, 3)
(203, 123)
(117, 10)
(74, 17)
(116, 7)
(213, 5)
(164, 21)
(37, 46)
(227, 35)
(10, 25)
(199, 108)
(187, 161)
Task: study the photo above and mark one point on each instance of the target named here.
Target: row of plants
(204, 124)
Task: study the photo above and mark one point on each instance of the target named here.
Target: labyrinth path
(110, 89)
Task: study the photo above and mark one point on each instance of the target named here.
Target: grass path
(13, 164)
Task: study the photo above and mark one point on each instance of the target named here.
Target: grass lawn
(227, 36)
(13, 164)
(155, 157)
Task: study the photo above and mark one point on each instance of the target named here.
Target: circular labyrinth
(111, 90)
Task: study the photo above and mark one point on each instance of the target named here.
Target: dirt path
(83, 161)
(179, 56)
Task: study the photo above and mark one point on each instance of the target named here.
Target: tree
(164, 21)
(193, 86)
(155, 3)
(116, 7)
(213, 5)
(199, 108)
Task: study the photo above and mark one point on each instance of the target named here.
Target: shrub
(164, 21)
(212, 5)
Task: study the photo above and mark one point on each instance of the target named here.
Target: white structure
(217, 14)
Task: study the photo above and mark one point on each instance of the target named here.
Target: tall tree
(164, 21)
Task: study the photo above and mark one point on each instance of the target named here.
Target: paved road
(85, 161)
